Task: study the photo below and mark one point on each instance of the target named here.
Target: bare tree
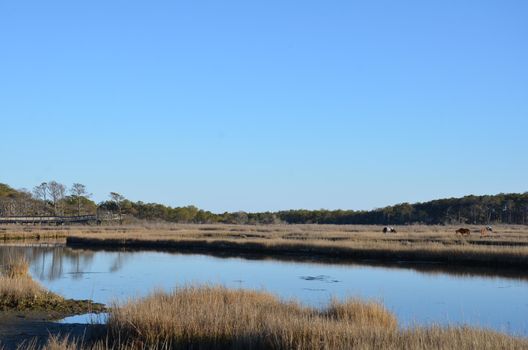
(56, 191)
(118, 200)
(27, 205)
(78, 192)
(40, 193)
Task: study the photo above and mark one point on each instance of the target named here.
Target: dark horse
(389, 229)
(463, 231)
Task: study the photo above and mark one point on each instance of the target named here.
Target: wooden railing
(58, 220)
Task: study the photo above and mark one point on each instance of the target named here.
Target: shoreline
(444, 255)
(29, 313)
(33, 326)
(210, 317)
(15, 328)
(425, 267)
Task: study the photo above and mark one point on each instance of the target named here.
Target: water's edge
(255, 252)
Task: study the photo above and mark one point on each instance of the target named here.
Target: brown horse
(484, 232)
(463, 231)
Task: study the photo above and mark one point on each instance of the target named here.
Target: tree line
(46, 199)
(53, 198)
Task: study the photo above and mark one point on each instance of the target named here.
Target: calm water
(415, 297)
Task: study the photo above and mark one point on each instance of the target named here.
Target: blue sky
(266, 105)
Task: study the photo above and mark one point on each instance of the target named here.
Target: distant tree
(508, 208)
(26, 204)
(78, 192)
(40, 193)
(118, 200)
(240, 217)
(500, 208)
(388, 212)
(57, 192)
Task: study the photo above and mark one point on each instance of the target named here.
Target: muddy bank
(28, 311)
(36, 325)
(18, 328)
(52, 306)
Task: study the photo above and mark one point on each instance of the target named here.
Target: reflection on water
(86, 319)
(52, 261)
(49, 262)
(414, 296)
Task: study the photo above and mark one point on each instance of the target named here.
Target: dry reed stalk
(16, 268)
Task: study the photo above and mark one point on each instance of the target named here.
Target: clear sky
(266, 105)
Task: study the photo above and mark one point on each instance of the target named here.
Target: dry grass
(18, 291)
(507, 247)
(219, 318)
(19, 232)
(358, 312)
(504, 235)
(15, 284)
(17, 268)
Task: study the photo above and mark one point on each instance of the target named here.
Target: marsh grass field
(506, 247)
(214, 317)
(31, 233)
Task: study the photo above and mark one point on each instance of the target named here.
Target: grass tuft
(358, 312)
(16, 268)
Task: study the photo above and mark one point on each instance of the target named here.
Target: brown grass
(507, 247)
(225, 318)
(18, 232)
(358, 312)
(219, 318)
(17, 268)
(18, 291)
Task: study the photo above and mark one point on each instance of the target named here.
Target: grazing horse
(463, 231)
(484, 231)
(389, 229)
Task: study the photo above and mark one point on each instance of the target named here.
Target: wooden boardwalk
(50, 220)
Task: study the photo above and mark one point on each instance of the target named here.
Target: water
(416, 297)
(86, 319)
